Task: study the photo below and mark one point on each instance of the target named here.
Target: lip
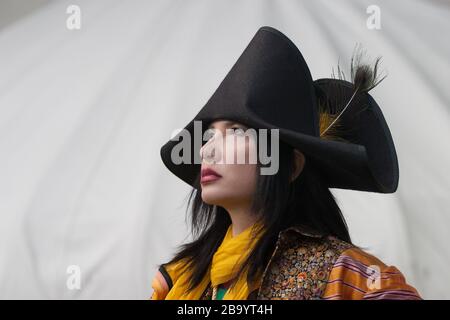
(209, 175)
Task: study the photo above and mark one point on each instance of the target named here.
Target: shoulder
(308, 267)
(325, 249)
(164, 278)
(315, 255)
(161, 284)
(357, 274)
(301, 265)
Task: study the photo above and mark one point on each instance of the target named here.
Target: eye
(209, 133)
(238, 130)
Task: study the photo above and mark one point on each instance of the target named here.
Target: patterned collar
(303, 230)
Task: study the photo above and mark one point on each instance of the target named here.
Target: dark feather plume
(364, 78)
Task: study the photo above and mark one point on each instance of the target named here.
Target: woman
(270, 228)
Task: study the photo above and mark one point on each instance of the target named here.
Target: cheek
(242, 177)
(238, 150)
(242, 174)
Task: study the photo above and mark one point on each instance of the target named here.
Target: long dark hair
(279, 203)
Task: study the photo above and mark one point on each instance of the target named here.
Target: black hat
(335, 123)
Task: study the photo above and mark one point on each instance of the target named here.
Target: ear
(299, 163)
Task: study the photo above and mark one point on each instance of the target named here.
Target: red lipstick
(209, 175)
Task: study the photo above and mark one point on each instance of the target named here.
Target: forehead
(226, 123)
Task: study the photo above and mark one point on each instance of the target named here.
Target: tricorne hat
(270, 86)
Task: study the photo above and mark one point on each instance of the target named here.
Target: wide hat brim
(367, 163)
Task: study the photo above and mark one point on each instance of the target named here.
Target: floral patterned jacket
(308, 265)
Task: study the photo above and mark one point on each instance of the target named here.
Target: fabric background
(83, 114)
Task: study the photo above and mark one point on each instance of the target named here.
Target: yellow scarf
(225, 265)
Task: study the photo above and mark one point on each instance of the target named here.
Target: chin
(212, 197)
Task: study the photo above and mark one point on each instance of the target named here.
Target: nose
(207, 151)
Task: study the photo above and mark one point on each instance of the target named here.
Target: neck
(241, 219)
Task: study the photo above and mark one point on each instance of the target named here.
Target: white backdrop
(83, 114)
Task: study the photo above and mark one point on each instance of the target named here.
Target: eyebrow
(227, 123)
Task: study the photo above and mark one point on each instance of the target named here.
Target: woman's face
(228, 153)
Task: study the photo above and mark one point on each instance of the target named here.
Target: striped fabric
(358, 275)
